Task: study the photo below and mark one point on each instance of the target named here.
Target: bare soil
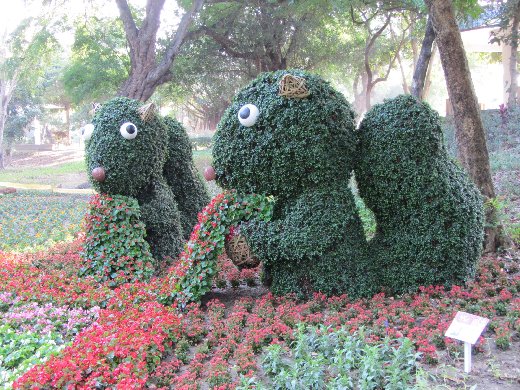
(46, 158)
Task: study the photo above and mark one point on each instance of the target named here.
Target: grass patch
(42, 175)
(32, 221)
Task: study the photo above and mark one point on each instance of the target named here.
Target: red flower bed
(51, 277)
(214, 345)
(117, 351)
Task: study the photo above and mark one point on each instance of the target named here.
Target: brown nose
(98, 174)
(209, 173)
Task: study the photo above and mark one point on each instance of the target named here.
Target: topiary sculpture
(132, 151)
(429, 215)
(291, 135)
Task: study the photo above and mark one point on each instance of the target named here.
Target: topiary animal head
(126, 147)
(284, 132)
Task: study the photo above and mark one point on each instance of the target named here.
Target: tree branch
(128, 21)
(371, 43)
(226, 44)
(176, 43)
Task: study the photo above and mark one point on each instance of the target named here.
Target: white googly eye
(128, 130)
(86, 131)
(248, 114)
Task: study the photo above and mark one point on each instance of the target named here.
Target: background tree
(24, 107)
(509, 34)
(148, 68)
(99, 62)
(471, 138)
(23, 56)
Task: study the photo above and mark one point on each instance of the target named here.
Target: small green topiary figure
(291, 135)
(429, 215)
(132, 151)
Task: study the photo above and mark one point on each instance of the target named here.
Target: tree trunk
(428, 81)
(470, 133)
(514, 99)
(146, 73)
(6, 92)
(406, 89)
(419, 74)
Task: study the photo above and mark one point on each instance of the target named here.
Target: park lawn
(47, 175)
(73, 172)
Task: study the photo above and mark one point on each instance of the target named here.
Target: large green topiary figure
(429, 215)
(299, 147)
(132, 151)
(289, 134)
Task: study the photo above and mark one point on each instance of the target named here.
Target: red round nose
(98, 174)
(209, 173)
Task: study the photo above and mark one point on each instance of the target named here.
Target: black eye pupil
(130, 129)
(244, 112)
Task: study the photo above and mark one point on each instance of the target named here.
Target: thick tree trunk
(514, 99)
(470, 133)
(423, 62)
(146, 73)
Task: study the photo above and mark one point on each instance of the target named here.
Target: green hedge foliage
(302, 152)
(155, 167)
(429, 215)
(182, 176)
(295, 145)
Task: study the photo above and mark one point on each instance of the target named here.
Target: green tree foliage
(24, 56)
(24, 107)
(99, 62)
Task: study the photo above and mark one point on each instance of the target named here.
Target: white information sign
(468, 328)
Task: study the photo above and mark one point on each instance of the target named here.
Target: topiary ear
(147, 112)
(94, 108)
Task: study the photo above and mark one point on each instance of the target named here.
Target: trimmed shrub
(149, 158)
(115, 249)
(429, 214)
(182, 176)
(302, 152)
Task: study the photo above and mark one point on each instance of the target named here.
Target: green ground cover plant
(33, 221)
(20, 351)
(325, 358)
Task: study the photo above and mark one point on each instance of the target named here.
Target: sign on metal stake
(467, 328)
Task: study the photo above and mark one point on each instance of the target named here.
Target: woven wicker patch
(239, 252)
(293, 87)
